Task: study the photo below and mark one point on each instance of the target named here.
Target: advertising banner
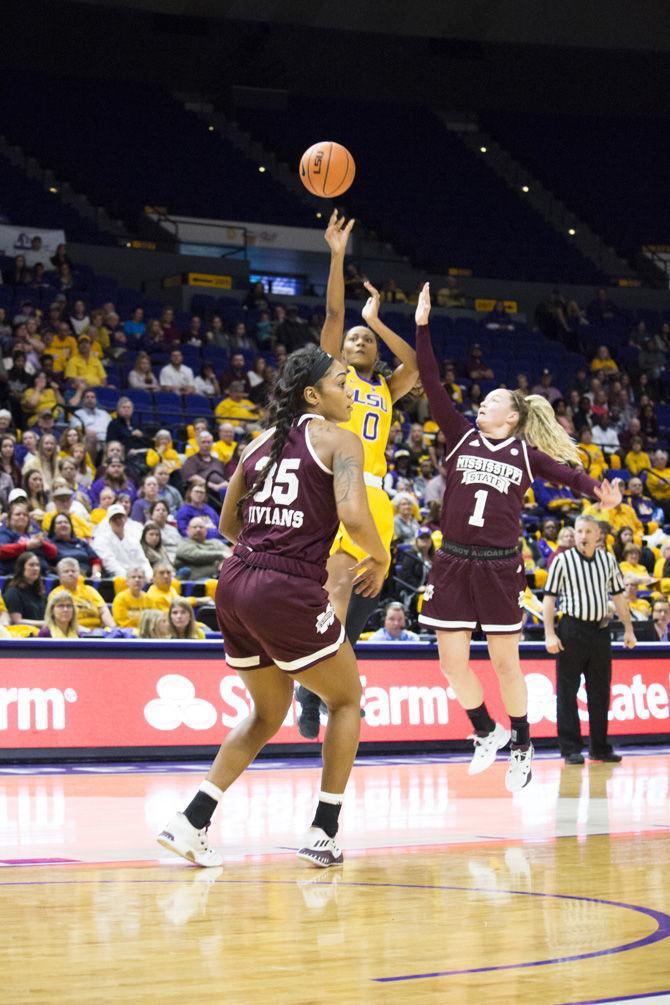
(22, 241)
(139, 701)
(217, 233)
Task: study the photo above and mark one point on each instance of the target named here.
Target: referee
(583, 577)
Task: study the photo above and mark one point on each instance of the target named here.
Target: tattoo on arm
(346, 473)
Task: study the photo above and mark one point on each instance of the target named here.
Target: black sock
(199, 811)
(358, 612)
(326, 817)
(482, 722)
(520, 730)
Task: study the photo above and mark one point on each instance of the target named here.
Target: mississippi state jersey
(486, 479)
(293, 513)
(370, 419)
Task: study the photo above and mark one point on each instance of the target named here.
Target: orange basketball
(327, 169)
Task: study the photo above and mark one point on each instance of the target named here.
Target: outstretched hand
(423, 306)
(609, 493)
(337, 233)
(371, 310)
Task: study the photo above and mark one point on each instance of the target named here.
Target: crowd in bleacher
(121, 421)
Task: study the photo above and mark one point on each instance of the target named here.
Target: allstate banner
(128, 700)
(19, 241)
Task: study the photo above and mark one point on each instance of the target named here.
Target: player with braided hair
(477, 578)
(373, 398)
(292, 487)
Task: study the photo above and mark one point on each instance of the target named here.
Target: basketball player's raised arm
(452, 424)
(406, 375)
(332, 333)
(354, 512)
(230, 522)
(543, 466)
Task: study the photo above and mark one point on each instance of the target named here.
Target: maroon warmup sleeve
(544, 466)
(452, 424)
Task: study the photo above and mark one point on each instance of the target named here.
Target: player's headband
(321, 364)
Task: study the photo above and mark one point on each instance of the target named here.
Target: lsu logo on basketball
(317, 162)
(325, 620)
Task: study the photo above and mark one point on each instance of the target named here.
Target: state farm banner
(134, 701)
(21, 241)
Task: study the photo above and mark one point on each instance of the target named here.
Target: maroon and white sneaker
(321, 850)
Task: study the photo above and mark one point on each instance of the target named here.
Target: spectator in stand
(414, 565)
(148, 495)
(422, 480)
(204, 463)
(24, 594)
(600, 405)
(255, 378)
(591, 455)
(652, 360)
(545, 388)
(153, 340)
(649, 424)
(79, 319)
(151, 541)
(658, 481)
(640, 609)
(115, 477)
(153, 625)
(451, 294)
(171, 333)
(63, 346)
(453, 389)
(623, 537)
(119, 550)
(390, 294)
(604, 435)
(8, 464)
(645, 507)
(235, 407)
(197, 557)
(61, 257)
(206, 382)
(107, 498)
(399, 476)
(18, 536)
(84, 365)
(176, 376)
(603, 365)
(196, 506)
(394, 629)
(256, 298)
(45, 460)
(562, 417)
(159, 515)
(129, 604)
(18, 274)
(476, 367)
(626, 437)
(36, 496)
(353, 283)
(236, 372)
(92, 611)
(632, 567)
(181, 621)
(264, 329)
(94, 421)
(545, 546)
(167, 492)
(142, 377)
(194, 335)
(27, 448)
(436, 487)
(60, 618)
(239, 338)
(616, 517)
(405, 523)
(601, 309)
(127, 432)
(199, 425)
(637, 459)
(135, 326)
(564, 541)
(165, 588)
(163, 453)
(43, 396)
(68, 545)
(661, 568)
(63, 501)
(555, 498)
(499, 319)
(474, 400)
(216, 334)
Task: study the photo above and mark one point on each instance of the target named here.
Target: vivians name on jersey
(483, 471)
(274, 516)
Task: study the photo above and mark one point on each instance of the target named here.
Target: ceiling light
(482, 150)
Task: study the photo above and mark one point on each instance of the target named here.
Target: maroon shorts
(464, 593)
(270, 617)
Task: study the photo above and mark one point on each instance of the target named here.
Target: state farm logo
(177, 705)
(34, 708)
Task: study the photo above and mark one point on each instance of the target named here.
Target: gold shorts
(381, 508)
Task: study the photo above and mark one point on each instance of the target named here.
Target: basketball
(327, 169)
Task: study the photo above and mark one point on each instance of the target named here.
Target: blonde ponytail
(539, 428)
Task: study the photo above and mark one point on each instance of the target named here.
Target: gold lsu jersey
(370, 419)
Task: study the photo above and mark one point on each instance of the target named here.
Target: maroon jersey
(292, 517)
(486, 479)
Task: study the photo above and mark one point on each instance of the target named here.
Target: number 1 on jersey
(477, 518)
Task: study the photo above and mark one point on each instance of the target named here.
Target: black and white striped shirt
(584, 584)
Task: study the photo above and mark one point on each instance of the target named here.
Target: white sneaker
(519, 773)
(320, 849)
(486, 748)
(182, 838)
